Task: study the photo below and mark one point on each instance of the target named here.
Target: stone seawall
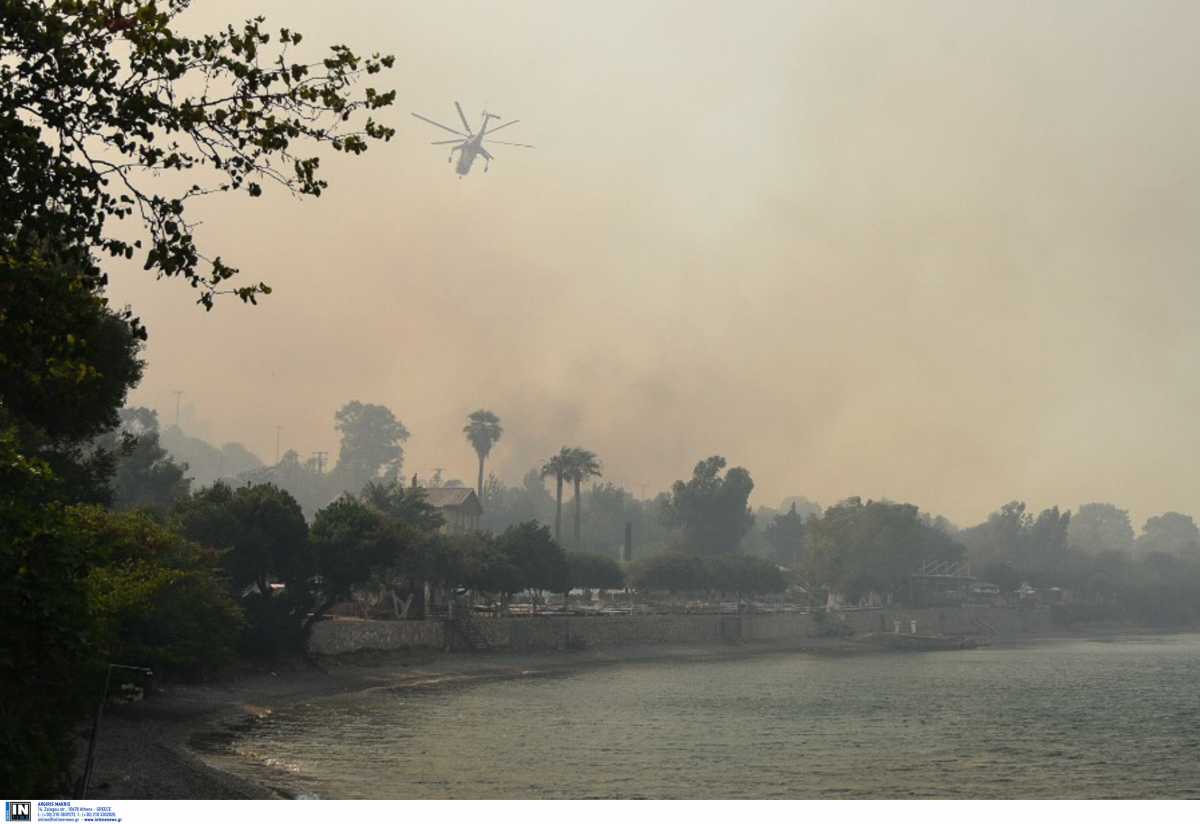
(550, 633)
(342, 636)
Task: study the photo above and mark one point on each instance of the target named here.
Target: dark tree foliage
(786, 536)
(353, 542)
(1101, 527)
(582, 465)
(259, 529)
(856, 548)
(44, 625)
(406, 505)
(66, 363)
(155, 597)
(145, 476)
(558, 467)
(745, 575)
(484, 567)
(531, 549)
(483, 431)
(1171, 533)
(712, 510)
(67, 359)
(736, 573)
(585, 569)
(107, 112)
(671, 572)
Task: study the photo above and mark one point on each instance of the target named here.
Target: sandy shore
(154, 748)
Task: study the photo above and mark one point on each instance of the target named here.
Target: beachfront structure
(458, 505)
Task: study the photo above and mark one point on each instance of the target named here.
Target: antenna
(178, 393)
(278, 429)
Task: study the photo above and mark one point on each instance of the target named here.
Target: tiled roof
(448, 496)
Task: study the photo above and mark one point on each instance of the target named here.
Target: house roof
(443, 497)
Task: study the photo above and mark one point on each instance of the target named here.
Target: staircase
(466, 630)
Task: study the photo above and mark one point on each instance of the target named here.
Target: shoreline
(156, 748)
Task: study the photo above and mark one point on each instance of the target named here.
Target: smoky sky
(937, 252)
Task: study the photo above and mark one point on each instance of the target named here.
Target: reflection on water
(1052, 719)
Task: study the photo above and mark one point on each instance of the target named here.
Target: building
(458, 505)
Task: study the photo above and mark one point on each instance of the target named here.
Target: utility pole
(320, 456)
(178, 393)
(278, 429)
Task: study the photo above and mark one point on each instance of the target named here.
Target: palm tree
(581, 465)
(483, 430)
(559, 466)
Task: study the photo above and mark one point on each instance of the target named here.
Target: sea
(1102, 718)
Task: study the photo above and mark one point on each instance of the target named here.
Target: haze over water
(1049, 719)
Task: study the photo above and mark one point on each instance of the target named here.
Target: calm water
(1058, 719)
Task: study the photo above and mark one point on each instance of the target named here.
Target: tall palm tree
(581, 465)
(483, 430)
(559, 466)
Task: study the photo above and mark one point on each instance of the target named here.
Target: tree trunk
(578, 508)
(479, 491)
(558, 510)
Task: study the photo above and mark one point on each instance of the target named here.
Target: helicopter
(470, 144)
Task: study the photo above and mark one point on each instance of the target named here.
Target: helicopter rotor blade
(463, 117)
(439, 125)
(447, 142)
(506, 143)
(501, 126)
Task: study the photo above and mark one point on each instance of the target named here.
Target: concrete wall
(548, 633)
(337, 637)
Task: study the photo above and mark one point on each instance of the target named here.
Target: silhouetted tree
(856, 548)
(581, 465)
(108, 111)
(1171, 533)
(1101, 527)
(371, 444)
(1048, 535)
(144, 476)
(260, 529)
(404, 504)
(786, 535)
(559, 467)
(134, 98)
(712, 509)
(352, 542)
(483, 430)
(529, 548)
